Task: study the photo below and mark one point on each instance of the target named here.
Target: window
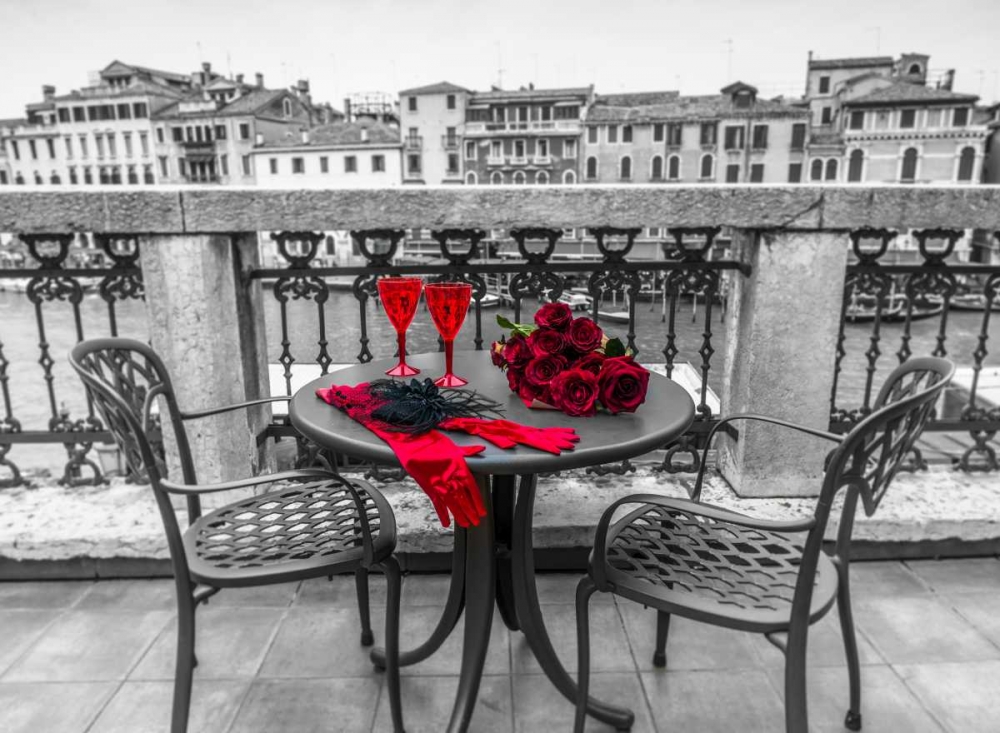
(64, 114)
(541, 178)
(908, 174)
(760, 137)
(350, 164)
(139, 110)
(244, 131)
(707, 164)
(164, 167)
(470, 178)
(496, 178)
(286, 107)
(79, 114)
(612, 134)
(72, 177)
(273, 163)
(675, 135)
(519, 178)
(127, 139)
(826, 116)
(33, 149)
(144, 143)
(15, 150)
(224, 165)
(799, 136)
(112, 145)
(824, 85)
(794, 172)
(733, 173)
(69, 146)
(452, 163)
(520, 149)
(658, 130)
(88, 177)
(412, 163)
(674, 168)
(542, 148)
(627, 134)
(220, 132)
(450, 100)
(147, 173)
(247, 166)
(83, 146)
(412, 104)
(54, 179)
(298, 165)
(855, 166)
(592, 135)
(626, 168)
(591, 168)
(934, 118)
(51, 145)
(470, 149)
(656, 168)
(569, 149)
(324, 164)
(757, 173)
(831, 169)
(38, 178)
(99, 144)
(709, 133)
(960, 117)
(882, 120)
(159, 135)
(966, 162)
(178, 134)
(182, 167)
(816, 170)
(734, 138)
(133, 177)
(569, 177)
(569, 112)
(496, 150)
(124, 113)
(908, 118)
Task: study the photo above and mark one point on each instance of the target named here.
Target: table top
(667, 412)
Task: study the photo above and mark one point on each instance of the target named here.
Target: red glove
(432, 459)
(507, 434)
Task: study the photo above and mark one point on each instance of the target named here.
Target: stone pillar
(781, 343)
(207, 323)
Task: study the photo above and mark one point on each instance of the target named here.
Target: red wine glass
(448, 304)
(399, 296)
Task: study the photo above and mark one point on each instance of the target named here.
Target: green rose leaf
(505, 323)
(614, 347)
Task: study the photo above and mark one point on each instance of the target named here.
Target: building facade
(431, 119)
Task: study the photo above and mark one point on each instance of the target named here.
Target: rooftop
(442, 87)
(512, 95)
(851, 63)
(635, 99)
(341, 133)
(900, 92)
(120, 66)
(679, 108)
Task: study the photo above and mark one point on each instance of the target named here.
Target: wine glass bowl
(399, 296)
(448, 303)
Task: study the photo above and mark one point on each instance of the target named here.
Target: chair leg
(796, 711)
(853, 719)
(392, 576)
(361, 583)
(584, 591)
(662, 628)
(184, 671)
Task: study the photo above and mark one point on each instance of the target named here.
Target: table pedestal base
(494, 564)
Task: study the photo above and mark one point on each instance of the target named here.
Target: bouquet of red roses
(568, 363)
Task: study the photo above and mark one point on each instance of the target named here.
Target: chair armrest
(195, 414)
(696, 493)
(704, 510)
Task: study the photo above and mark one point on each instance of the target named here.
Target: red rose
(540, 370)
(584, 335)
(574, 391)
(546, 342)
(528, 392)
(622, 384)
(591, 362)
(514, 378)
(554, 315)
(516, 351)
(496, 354)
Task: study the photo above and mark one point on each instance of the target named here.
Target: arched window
(966, 161)
(541, 177)
(914, 69)
(626, 168)
(674, 167)
(286, 107)
(471, 179)
(518, 178)
(496, 178)
(855, 166)
(54, 178)
(38, 178)
(831, 169)
(816, 170)
(19, 179)
(909, 171)
(656, 168)
(591, 168)
(707, 164)
(569, 178)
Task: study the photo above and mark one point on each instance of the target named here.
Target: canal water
(30, 403)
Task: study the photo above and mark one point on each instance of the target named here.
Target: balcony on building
(450, 142)
(413, 142)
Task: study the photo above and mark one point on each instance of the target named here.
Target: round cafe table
(493, 563)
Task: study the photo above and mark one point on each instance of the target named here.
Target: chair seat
(305, 530)
(676, 560)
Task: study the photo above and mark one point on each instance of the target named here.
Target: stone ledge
(118, 527)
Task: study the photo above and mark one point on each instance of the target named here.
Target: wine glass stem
(401, 340)
(449, 351)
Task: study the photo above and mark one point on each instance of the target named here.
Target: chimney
(48, 92)
(347, 109)
(259, 139)
(239, 78)
(206, 67)
(260, 80)
(303, 86)
(531, 86)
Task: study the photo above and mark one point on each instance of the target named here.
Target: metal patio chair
(316, 524)
(714, 565)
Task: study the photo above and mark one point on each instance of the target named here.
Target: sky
(388, 45)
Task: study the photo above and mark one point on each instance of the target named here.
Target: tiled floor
(98, 657)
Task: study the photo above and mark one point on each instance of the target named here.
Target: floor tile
(561, 588)
(963, 697)
(309, 706)
(133, 595)
(714, 701)
(31, 707)
(874, 580)
(89, 646)
(230, 643)
(825, 647)
(959, 576)
(417, 622)
(315, 642)
(609, 649)
(539, 706)
(980, 610)
(428, 702)
(921, 630)
(145, 707)
(425, 590)
(20, 630)
(690, 645)
(340, 591)
(267, 596)
(887, 705)
(42, 594)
